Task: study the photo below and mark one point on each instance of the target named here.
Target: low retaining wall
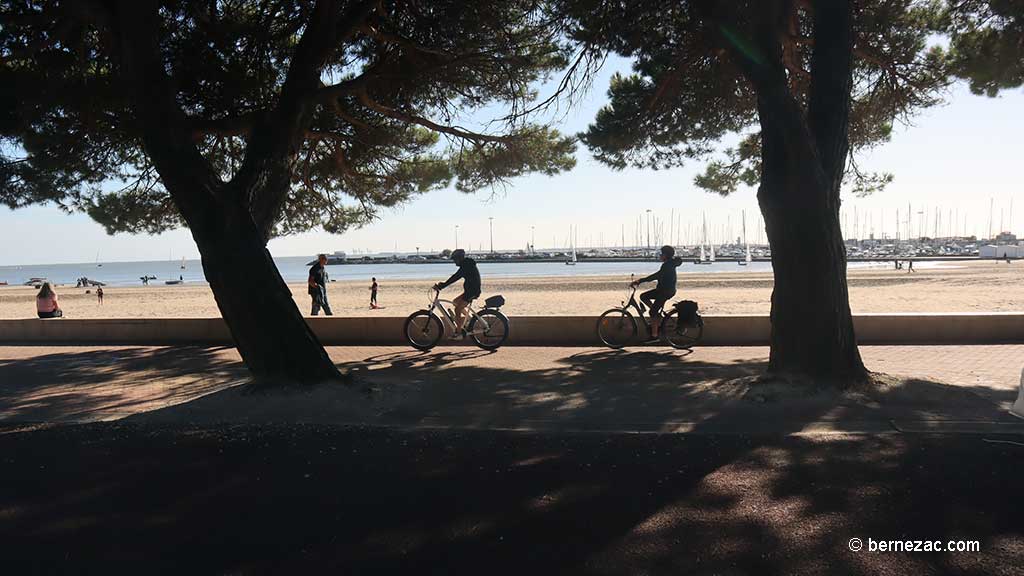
(525, 330)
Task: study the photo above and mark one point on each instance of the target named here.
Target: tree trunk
(812, 327)
(272, 336)
(274, 340)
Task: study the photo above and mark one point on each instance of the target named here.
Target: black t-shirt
(318, 275)
(471, 285)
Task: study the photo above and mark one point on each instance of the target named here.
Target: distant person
(666, 276)
(910, 266)
(373, 294)
(471, 288)
(1007, 256)
(46, 302)
(99, 294)
(317, 286)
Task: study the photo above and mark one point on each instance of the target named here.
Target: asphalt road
(118, 498)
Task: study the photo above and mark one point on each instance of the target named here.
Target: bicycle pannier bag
(495, 301)
(687, 310)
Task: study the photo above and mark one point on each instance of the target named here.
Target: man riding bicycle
(666, 276)
(470, 275)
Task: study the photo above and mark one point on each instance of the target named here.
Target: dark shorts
(54, 314)
(656, 299)
(468, 298)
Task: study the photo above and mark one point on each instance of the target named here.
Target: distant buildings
(1004, 251)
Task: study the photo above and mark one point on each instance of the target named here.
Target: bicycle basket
(495, 301)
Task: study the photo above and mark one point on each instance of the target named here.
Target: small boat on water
(36, 282)
(173, 282)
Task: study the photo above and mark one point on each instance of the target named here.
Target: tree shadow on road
(296, 492)
(111, 381)
(295, 499)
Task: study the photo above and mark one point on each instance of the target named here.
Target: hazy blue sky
(956, 157)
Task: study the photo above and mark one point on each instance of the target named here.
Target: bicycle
(488, 329)
(681, 328)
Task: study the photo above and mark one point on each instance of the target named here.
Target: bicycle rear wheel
(616, 328)
(680, 334)
(489, 329)
(423, 330)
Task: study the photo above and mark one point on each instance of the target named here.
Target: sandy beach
(950, 287)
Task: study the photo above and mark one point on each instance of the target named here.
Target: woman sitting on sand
(46, 302)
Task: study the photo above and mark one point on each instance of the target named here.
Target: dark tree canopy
(688, 99)
(986, 43)
(380, 126)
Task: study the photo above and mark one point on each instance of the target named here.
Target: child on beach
(373, 294)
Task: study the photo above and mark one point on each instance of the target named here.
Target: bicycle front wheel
(423, 330)
(681, 334)
(489, 329)
(616, 328)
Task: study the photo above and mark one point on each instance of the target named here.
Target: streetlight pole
(456, 236)
(491, 219)
(648, 229)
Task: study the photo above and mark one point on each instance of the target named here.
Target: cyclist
(666, 276)
(470, 275)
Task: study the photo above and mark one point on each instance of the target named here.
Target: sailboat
(703, 240)
(572, 241)
(172, 281)
(746, 259)
(182, 262)
(98, 265)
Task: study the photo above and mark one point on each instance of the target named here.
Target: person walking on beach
(99, 295)
(910, 266)
(317, 286)
(46, 303)
(666, 288)
(373, 294)
(471, 288)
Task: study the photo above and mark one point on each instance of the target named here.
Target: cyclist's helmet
(668, 252)
(458, 255)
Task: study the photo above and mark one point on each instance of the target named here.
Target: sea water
(295, 269)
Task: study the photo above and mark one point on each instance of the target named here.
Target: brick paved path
(649, 388)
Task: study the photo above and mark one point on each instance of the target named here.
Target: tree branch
(164, 129)
(474, 137)
(828, 110)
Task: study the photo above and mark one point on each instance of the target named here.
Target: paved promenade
(642, 389)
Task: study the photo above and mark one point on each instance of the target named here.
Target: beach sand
(982, 286)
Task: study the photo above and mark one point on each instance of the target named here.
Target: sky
(959, 158)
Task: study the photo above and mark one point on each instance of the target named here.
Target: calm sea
(294, 269)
